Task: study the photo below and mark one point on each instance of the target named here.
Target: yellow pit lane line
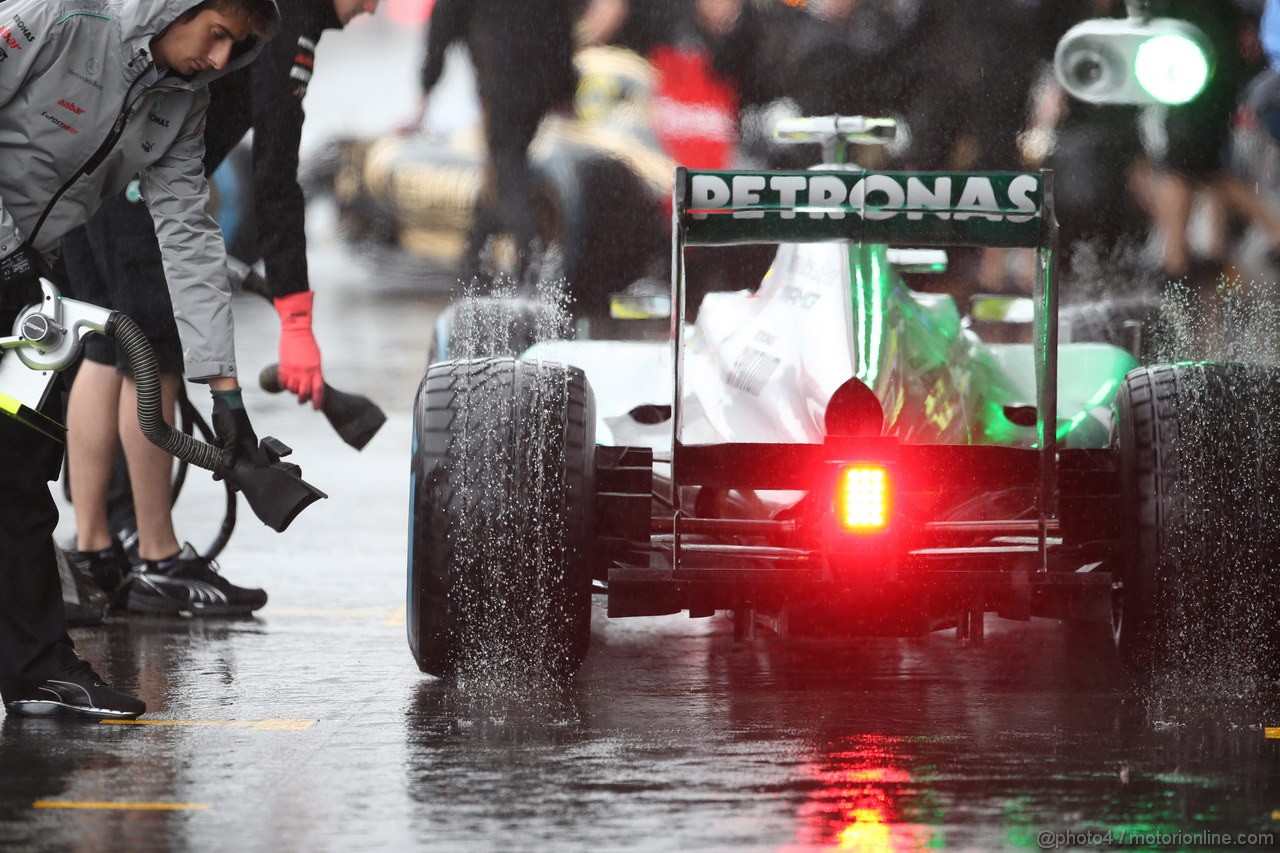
(108, 805)
(258, 725)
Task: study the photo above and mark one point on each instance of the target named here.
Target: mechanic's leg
(91, 450)
(1143, 182)
(515, 194)
(508, 139)
(150, 469)
(484, 227)
(1250, 205)
(1174, 195)
(33, 631)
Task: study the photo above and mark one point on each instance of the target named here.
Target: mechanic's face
(348, 9)
(199, 43)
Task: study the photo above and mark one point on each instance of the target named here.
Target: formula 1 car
(835, 454)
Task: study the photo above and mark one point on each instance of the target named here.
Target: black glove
(20, 273)
(234, 432)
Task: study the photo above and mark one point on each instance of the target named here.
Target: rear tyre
(1199, 457)
(502, 531)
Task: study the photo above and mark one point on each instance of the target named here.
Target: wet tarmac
(308, 727)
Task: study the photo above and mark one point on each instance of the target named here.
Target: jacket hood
(143, 20)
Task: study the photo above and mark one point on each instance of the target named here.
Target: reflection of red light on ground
(867, 831)
(409, 12)
(859, 805)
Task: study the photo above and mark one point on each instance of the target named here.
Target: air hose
(47, 339)
(146, 374)
(274, 489)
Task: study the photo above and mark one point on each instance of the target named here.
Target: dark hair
(262, 15)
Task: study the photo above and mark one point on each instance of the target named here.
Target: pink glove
(299, 354)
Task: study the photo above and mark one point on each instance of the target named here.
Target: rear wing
(1008, 210)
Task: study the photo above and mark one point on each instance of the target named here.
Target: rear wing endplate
(1004, 210)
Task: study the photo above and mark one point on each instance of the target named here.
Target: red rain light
(862, 498)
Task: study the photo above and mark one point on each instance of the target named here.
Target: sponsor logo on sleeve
(304, 63)
(154, 117)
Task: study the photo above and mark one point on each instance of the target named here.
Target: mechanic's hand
(299, 354)
(21, 271)
(414, 124)
(231, 426)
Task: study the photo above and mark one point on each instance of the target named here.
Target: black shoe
(84, 603)
(188, 584)
(76, 690)
(109, 569)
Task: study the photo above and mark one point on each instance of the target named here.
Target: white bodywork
(761, 366)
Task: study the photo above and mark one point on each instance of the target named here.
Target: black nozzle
(356, 419)
(275, 490)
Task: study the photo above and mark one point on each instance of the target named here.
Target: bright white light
(1171, 67)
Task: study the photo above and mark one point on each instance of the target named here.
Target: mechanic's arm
(195, 258)
(17, 68)
(195, 265)
(280, 207)
(449, 19)
(448, 24)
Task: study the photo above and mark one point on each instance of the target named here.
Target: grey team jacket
(82, 112)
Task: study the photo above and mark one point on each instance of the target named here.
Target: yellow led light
(862, 498)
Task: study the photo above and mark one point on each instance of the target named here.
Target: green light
(1171, 67)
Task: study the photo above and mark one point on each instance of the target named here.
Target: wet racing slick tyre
(502, 530)
(1199, 456)
(492, 327)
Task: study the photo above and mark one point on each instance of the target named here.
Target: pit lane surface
(309, 728)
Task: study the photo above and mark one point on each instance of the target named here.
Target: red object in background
(695, 111)
(409, 12)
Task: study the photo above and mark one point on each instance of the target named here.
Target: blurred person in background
(1190, 146)
(946, 71)
(115, 261)
(1263, 97)
(1102, 176)
(523, 58)
(712, 59)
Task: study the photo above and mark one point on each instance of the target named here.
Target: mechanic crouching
(93, 94)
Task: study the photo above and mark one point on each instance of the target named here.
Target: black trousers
(33, 627)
